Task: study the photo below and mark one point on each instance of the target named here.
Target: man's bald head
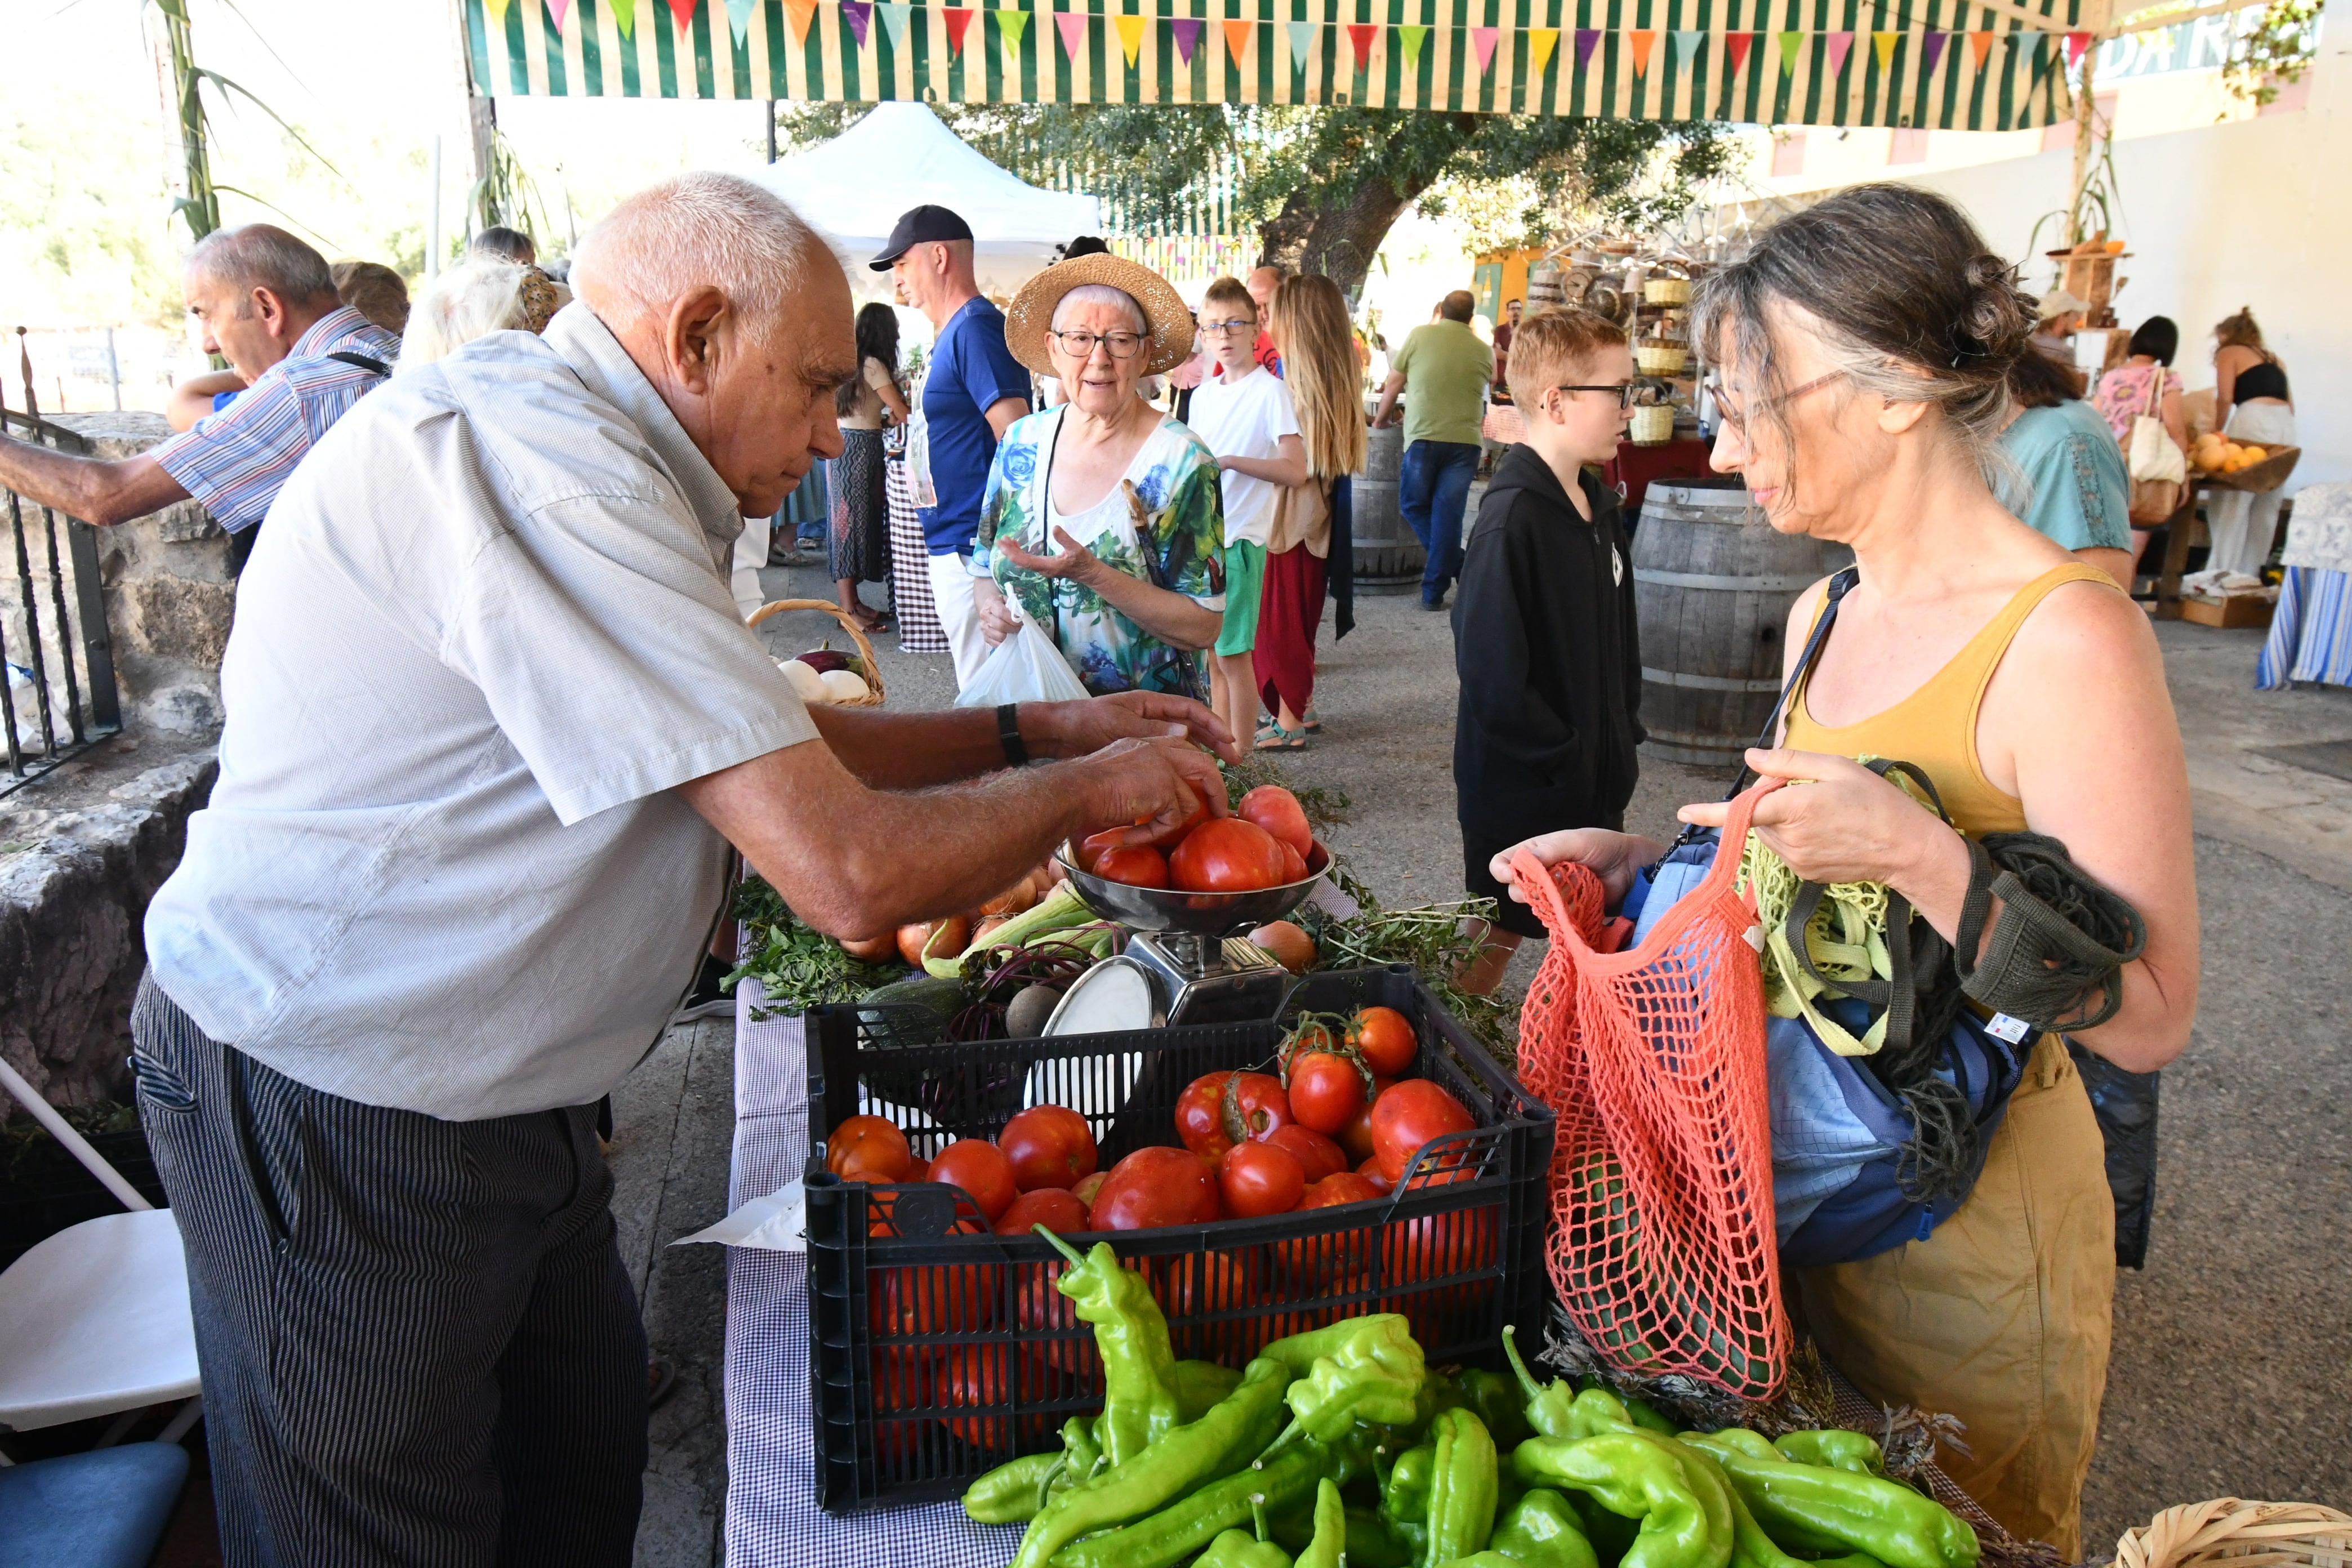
(1260, 284)
(699, 230)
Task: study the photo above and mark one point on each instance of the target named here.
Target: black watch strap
(1008, 734)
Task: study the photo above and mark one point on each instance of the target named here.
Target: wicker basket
(1666, 291)
(873, 698)
(1652, 424)
(1662, 358)
(2239, 1534)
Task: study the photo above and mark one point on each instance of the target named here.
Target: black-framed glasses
(1737, 423)
(1621, 390)
(1081, 344)
(1227, 329)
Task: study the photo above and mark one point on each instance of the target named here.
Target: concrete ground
(2233, 1365)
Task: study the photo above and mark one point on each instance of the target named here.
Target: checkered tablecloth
(773, 1519)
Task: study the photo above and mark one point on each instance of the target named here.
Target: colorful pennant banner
(829, 50)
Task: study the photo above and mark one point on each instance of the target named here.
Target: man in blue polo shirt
(972, 391)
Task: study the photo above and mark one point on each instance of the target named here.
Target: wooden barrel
(1389, 559)
(1712, 585)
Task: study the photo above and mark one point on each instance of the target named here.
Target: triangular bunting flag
(684, 11)
(1186, 31)
(1412, 38)
(1237, 39)
(1131, 36)
(624, 15)
(1738, 44)
(1690, 45)
(1542, 41)
(1586, 37)
(497, 11)
(1792, 44)
(1302, 38)
(798, 14)
(1841, 46)
(2075, 44)
(1360, 37)
(1883, 44)
(895, 16)
(1072, 26)
(558, 9)
(1013, 24)
(2040, 55)
(1933, 44)
(859, 17)
(1642, 40)
(738, 17)
(1980, 45)
(958, 21)
(1482, 40)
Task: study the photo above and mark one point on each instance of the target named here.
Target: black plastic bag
(2125, 1103)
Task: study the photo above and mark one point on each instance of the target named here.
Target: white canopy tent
(900, 157)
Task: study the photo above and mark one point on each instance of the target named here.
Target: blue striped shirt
(235, 460)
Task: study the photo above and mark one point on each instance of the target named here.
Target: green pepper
(1461, 1487)
(1183, 1528)
(1806, 1508)
(1647, 1416)
(1369, 1543)
(1547, 1405)
(1299, 1353)
(1329, 1547)
(1140, 1400)
(1375, 1373)
(1834, 1449)
(1483, 1560)
(1011, 1494)
(1241, 1549)
(1217, 1444)
(1404, 1497)
(1750, 1546)
(1200, 1384)
(1685, 1523)
(1541, 1531)
(1080, 1453)
(1495, 1397)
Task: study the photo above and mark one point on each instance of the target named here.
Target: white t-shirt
(1245, 418)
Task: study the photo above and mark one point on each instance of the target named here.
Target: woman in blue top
(2079, 489)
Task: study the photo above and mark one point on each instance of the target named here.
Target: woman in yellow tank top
(1863, 347)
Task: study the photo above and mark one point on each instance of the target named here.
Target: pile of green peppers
(1340, 1448)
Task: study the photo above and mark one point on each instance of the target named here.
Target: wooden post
(2086, 120)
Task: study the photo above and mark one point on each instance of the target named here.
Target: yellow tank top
(1936, 726)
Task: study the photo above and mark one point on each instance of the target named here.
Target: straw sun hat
(1031, 315)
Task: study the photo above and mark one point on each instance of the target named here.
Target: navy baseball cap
(922, 226)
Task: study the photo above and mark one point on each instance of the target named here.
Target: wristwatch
(1008, 734)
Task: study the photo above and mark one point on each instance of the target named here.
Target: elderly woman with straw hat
(1103, 520)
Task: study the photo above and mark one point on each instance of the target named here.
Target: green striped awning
(1944, 64)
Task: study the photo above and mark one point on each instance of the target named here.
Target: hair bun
(1995, 324)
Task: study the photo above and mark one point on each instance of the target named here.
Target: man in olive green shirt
(1448, 370)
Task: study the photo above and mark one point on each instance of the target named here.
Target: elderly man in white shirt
(493, 723)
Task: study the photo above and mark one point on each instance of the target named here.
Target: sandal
(1274, 737)
(1310, 723)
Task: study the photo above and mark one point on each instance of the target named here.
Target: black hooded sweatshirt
(1548, 657)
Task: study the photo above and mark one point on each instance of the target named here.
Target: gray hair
(1102, 294)
(464, 303)
(499, 243)
(690, 230)
(261, 255)
(1897, 291)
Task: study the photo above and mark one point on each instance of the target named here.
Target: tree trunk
(1338, 241)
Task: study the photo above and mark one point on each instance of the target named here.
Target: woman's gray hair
(1899, 294)
(1101, 294)
(468, 301)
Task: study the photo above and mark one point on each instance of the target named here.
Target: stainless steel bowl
(1209, 915)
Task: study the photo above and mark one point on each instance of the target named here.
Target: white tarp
(901, 155)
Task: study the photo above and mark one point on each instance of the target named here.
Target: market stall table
(2311, 631)
(2266, 475)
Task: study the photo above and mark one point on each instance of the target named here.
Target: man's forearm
(88, 487)
(912, 750)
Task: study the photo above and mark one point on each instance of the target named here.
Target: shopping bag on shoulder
(2158, 469)
(1025, 668)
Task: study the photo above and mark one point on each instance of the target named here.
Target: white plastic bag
(1025, 668)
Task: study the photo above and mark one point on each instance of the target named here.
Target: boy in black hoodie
(1544, 639)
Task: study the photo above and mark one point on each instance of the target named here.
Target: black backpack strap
(361, 362)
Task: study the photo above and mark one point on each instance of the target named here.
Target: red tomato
(1325, 1090)
(979, 1168)
(1257, 1097)
(1409, 1115)
(1277, 811)
(1433, 1248)
(957, 1299)
(1043, 1307)
(1048, 1146)
(1370, 1171)
(1226, 855)
(1336, 1261)
(1386, 1038)
(1260, 1179)
(1085, 1189)
(979, 1375)
(873, 1144)
(1189, 1287)
(1091, 847)
(1136, 864)
(1155, 1187)
(1293, 869)
(1317, 1155)
(1356, 1138)
(1193, 819)
(1052, 1207)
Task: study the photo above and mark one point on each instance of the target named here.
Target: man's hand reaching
(1078, 728)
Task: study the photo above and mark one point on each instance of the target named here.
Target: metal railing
(58, 698)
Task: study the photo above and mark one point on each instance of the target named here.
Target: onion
(913, 938)
(868, 949)
(1291, 947)
(987, 927)
(1022, 895)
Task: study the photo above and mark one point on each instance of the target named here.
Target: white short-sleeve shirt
(486, 632)
(1244, 418)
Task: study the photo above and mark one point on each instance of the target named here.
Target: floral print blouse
(1176, 542)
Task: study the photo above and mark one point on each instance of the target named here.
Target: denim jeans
(1433, 488)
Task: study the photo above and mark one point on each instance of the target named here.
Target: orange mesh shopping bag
(1661, 1245)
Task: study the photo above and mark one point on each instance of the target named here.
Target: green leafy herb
(1438, 940)
(797, 966)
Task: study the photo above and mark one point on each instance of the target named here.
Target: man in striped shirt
(267, 303)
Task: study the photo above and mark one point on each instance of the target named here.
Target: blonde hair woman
(2251, 401)
(1312, 333)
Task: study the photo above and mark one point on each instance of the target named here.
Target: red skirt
(1289, 608)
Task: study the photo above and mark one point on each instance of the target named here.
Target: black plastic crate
(936, 1355)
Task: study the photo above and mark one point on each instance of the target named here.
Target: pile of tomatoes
(1264, 843)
